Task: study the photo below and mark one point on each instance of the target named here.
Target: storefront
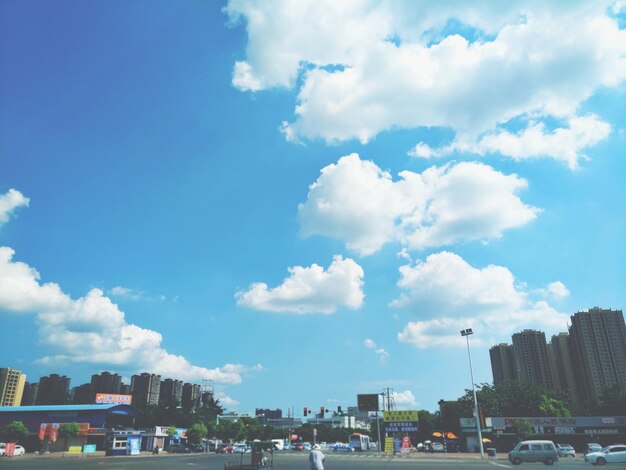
(123, 442)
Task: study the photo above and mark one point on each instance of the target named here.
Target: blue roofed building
(94, 421)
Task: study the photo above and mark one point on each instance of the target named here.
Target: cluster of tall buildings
(585, 360)
(145, 389)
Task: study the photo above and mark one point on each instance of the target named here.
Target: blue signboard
(134, 445)
(402, 426)
(89, 449)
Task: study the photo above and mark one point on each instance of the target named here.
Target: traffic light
(322, 411)
(306, 411)
(339, 409)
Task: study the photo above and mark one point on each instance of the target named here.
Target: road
(282, 461)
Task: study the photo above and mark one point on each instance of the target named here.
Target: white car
(565, 450)
(19, 450)
(438, 447)
(610, 454)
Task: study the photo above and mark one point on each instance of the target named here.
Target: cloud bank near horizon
(448, 294)
(91, 329)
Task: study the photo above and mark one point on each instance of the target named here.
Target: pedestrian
(316, 457)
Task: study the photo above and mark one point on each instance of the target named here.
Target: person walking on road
(316, 457)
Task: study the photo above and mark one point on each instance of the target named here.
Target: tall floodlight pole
(467, 334)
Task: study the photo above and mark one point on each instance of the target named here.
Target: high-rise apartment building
(192, 394)
(83, 394)
(29, 397)
(598, 341)
(171, 392)
(502, 363)
(105, 382)
(53, 390)
(531, 358)
(11, 386)
(562, 363)
(145, 388)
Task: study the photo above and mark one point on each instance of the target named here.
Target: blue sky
(303, 201)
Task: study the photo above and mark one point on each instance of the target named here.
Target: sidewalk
(450, 455)
(68, 455)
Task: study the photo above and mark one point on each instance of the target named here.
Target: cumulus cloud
(362, 67)
(226, 401)
(555, 290)
(564, 144)
(448, 294)
(354, 200)
(92, 329)
(383, 355)
(309, 290)
(20, 290)
(405, 398)
(10, 201)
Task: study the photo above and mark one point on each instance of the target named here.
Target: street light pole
(443, 428)
(467, 334)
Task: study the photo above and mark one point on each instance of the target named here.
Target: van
(279, 444)
(534, 451)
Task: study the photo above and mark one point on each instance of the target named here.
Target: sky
(302, 201)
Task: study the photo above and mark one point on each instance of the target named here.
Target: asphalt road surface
(282, 461)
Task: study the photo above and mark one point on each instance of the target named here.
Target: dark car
(453, 447)
(178, 449)
(224, 449)
(196, 447)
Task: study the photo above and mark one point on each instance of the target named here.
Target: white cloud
(405, 398)
(363, 67)
(226, 401)
(564, 144)
(383, 355)
(555, 290)
(124, 292)
(309, 290)
(92, 329)
(10, 201)
(446, 284)
(133, 294)
(20, 290)
(449, 295)
(354, 200)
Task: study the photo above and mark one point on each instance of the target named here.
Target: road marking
(500, 465)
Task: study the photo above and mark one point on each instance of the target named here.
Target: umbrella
(437, 434)
(451, 435)
(486, 439)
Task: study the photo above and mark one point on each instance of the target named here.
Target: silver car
(534, 451)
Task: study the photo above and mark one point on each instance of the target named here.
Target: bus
(360, 441)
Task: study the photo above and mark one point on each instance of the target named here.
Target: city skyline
(305, 201)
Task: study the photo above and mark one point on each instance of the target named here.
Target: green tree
(196, 433)
(68, 430)
(612, 401)
(171, 431)
(14, 431)
(521, 428)
(515, 398)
